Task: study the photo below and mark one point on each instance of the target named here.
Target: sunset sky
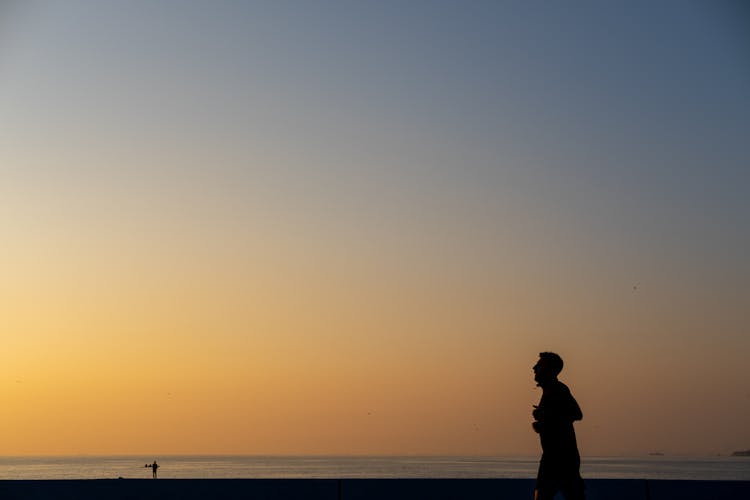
(293, 227)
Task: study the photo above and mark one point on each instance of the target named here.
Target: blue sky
(502, 157)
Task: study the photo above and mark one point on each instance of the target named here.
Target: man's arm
(575, 410)
(562, 407)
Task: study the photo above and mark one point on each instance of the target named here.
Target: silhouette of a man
(559, 468)
(154, 466)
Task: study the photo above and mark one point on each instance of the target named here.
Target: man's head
(547, 368)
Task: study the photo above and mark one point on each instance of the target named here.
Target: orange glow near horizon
(216, 356)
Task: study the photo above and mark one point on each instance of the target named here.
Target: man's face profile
(542, 371)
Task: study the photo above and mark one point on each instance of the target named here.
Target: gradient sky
(349, 227)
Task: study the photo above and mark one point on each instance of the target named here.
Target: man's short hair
(555, 361)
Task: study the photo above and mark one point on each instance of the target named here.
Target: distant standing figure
(559, 468)
(153, 466)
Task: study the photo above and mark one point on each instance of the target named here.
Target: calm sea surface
(186, 467)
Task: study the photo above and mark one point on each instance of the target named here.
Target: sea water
(215, 467)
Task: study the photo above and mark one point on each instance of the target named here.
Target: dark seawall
(358, 489)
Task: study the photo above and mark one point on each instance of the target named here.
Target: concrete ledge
(358, 489)
(166, 489)
(699, 490)
(616, 489)
(437, 489)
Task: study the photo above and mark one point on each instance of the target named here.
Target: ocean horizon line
(352, 467)
(584, 456)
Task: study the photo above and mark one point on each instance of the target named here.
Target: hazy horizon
(529, 456)
(338, 228)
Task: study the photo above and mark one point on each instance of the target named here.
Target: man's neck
(547, 383)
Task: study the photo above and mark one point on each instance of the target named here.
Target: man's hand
(537, 413)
